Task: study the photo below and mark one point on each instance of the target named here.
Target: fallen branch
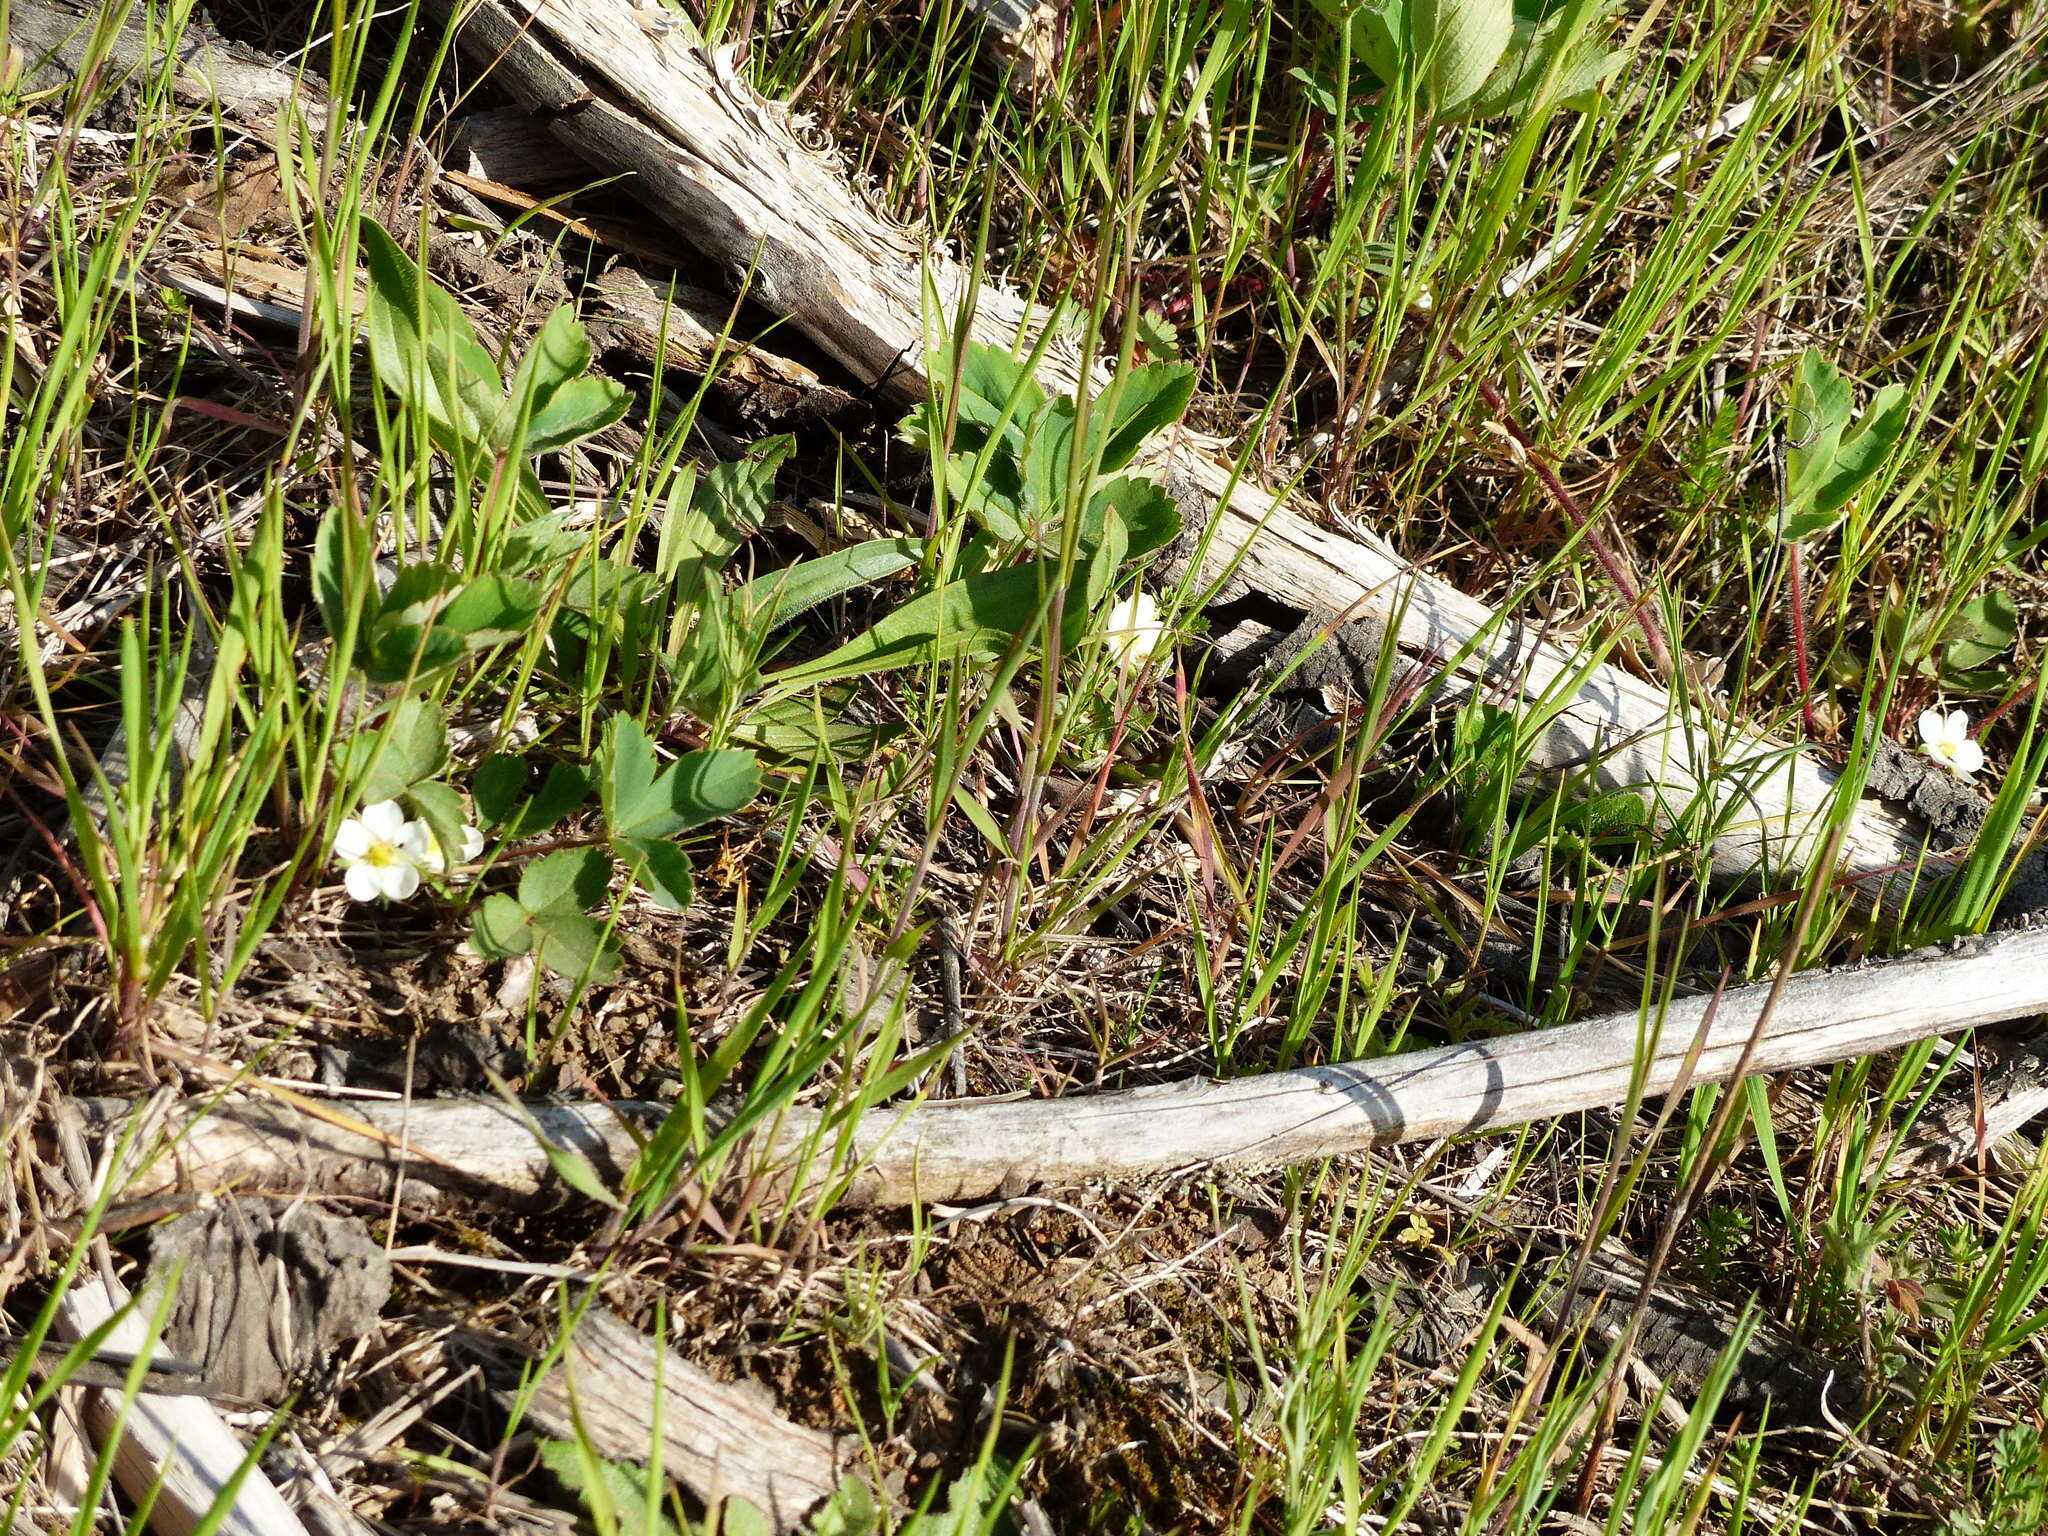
(631, 91)
(613, 1385)
(174, 1456)
(967, 1150)
(55, 37)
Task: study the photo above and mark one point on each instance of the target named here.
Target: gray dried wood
(176, 1454)
(968, 1150)
(719, 1439)
(55, 35)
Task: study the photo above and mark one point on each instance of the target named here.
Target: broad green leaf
(712, 782)
(500, 929)
(399, 652)
(545, 543)
(819, 723)
(1048, 467)
(577, 410)
(1149, 517)
(553, 364)
(1149, 399)
(850, 1511)
(410, 748)
(559, 354)
(497, 786)
(1826, 462)
(659, 866)
(491, 610)
(779, 597)
(1982, 630)
(573, 944)
(734, 496)
(1448, 47)
(710, 515)
(991, 492)
(993, 386)
(978, 616)
(615, 1494)
(569, 880)
(714, 661)
(641, 803)
(422, 346)
(627, 789)
(564, 789)
(418, 593)
(1511, 89)
(334, 577)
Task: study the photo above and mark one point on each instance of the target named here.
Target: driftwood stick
(632, 92)
(176, 1451)
(425, 1154)
(719, 1439)
(963, 1151)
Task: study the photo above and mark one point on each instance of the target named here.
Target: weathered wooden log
(969, 1149)
(55, 38)
(633, 92)
(721, 1440)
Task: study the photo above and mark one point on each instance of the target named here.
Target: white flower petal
(399, 880)
(352, 841)
(1132, 629)
(1930, 727)
(385, 820)
(472, 843)
(415, 843)
(363, 882)
(1957, 727)
(1969, 757)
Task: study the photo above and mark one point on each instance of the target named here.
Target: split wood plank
(633, 91)
(971, 1149)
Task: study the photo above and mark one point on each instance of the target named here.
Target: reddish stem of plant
(1610, 560)
(2017, 697)
(1796, 581)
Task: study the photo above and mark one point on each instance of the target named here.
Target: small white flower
(1946, 739)
(1133, 632)
(434, 863)
(383, 853)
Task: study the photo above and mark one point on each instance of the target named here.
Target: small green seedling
(424, 350)
(1831, 454)
(645, 807)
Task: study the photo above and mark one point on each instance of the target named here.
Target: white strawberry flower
(435, 862)
(1946, 739)
(382, 853)
(1133, 631)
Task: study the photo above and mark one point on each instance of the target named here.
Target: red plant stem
(2017, 697)
(1610, 561)
(1796, 581)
